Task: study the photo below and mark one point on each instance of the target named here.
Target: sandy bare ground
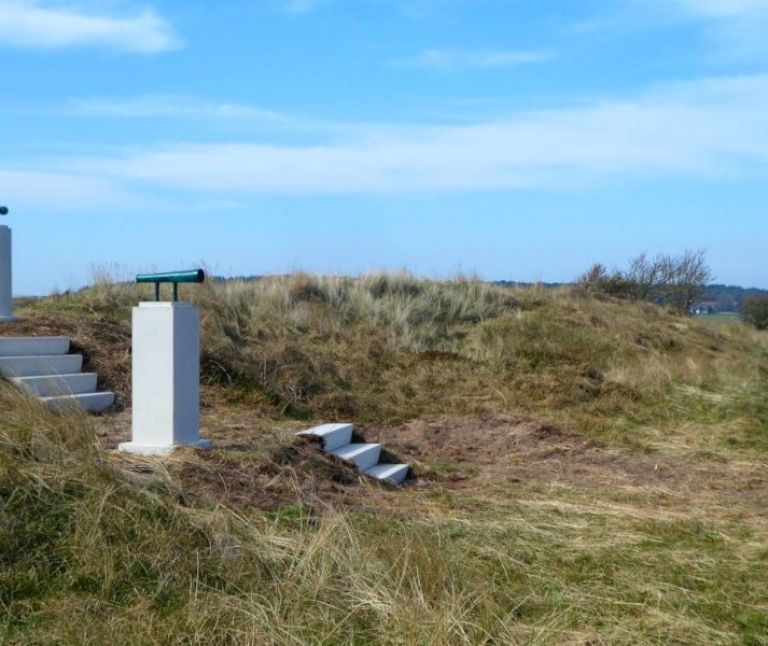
(260, 463)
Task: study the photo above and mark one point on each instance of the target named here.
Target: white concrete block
(334, 435)
(90, 402)
(29, 346)
(364, 456)
(6, 277)
(392, 473)
(38, 366)
(166, 378)
(53, 385)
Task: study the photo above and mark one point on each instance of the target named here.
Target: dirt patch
(291, 475)
(484, 440)
(257, 463)
(471, 452)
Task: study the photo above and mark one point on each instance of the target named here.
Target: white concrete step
(334, 435)
(52, 385)
(41, 365)
(364, 456)
(337, 441)
(393, 473)
(90, 402)
(29, 346)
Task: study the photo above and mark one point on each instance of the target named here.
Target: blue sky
(515, 139)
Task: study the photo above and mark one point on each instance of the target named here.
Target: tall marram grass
(95, 548)
(412, 314)
(92, 553)
(390, 347)
(96, 551)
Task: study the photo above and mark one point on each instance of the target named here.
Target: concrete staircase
(337, 440)
(43, 366)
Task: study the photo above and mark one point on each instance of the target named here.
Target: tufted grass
(97, 548)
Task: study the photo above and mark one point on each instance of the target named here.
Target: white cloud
(736, 29)
(28, 23)
(300, 6)
(721, 8)
(167, 105)
(451, 60)
(222, 114)
(716, 129)
(30, 190)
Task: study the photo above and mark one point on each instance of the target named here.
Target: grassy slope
(642, 518)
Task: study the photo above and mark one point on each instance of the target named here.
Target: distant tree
(643, 277)
(754, 311)
(683, 279)
(598, 280)
(675, 281)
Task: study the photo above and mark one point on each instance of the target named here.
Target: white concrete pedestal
(6, 277)
(166, 378)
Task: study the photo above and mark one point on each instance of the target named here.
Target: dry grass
(391, 348)
(638, 517)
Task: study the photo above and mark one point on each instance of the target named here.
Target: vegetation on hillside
(755, 311)
(719, 298)
(671, 281)
(388, 348)
(588, 470)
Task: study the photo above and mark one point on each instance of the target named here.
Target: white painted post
(6, 277)
(166, 378)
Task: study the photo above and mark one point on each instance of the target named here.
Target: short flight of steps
(337, 440)
(43, 366)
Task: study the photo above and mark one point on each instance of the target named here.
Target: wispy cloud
(169, 106)
(300, 6)
(715, 129)
(448, 60)
(64, 192)
(735, 29)
(33, 24)
(229, 116)
(721, 8)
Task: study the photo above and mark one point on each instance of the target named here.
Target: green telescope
(173, 277)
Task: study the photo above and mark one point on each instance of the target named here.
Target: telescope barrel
(173, 277)
(191, 276)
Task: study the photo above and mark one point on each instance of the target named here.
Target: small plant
(754, 311)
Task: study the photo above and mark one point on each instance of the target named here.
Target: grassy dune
(587, 471)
